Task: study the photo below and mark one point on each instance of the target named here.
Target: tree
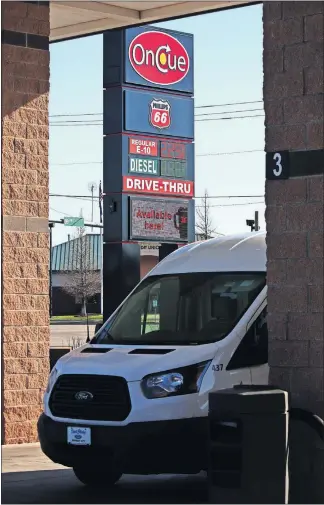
(83, 282)
(204, 223)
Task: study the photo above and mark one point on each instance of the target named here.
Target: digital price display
(173, 150)
(174, 168)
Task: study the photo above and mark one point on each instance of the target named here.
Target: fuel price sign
(147, 156)
(143, 146)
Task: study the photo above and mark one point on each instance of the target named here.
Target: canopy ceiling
(77, 18)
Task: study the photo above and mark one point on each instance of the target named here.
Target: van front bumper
(175, 446)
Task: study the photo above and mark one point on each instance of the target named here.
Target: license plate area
(78, 435)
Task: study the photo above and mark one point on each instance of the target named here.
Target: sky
(227, 70)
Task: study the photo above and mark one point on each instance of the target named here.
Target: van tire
(95, 478)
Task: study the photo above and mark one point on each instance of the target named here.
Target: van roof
(232, 253)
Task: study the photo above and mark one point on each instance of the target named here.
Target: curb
(26, 444)
(92, 322)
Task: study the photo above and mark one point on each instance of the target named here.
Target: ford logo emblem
(83, 396)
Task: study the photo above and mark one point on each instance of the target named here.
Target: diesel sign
(146, 166)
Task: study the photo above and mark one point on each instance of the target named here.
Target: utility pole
(50, 226)
(92, 186)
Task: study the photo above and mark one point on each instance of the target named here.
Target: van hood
(132, 362)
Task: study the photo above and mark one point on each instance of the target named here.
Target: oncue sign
(148, 127)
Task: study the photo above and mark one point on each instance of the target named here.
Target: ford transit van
(135, 399)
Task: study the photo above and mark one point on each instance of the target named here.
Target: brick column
(25, 240)
(293, 96)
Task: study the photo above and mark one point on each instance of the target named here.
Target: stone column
(25, 239)
(293, 96)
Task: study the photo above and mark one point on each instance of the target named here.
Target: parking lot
(70, 334)
(29, 477)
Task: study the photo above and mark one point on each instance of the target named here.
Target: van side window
(150, 319)
(253, 349)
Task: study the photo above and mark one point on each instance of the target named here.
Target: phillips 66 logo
(160, 113)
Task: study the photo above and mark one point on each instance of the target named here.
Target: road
(29, 477)
(69, 334)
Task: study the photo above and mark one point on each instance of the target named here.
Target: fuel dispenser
(249, 444)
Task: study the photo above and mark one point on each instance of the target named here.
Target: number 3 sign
(277, 165)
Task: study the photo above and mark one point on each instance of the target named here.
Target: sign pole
(148, 158)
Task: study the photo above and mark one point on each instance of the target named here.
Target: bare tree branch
(83, 282)
(204, 222)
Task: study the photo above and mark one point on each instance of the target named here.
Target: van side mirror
(98, 326)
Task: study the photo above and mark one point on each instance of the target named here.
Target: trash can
(248, 445)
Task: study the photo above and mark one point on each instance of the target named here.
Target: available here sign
(149, 185)
(159, 219)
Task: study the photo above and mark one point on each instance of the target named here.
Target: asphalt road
(29, 477)
(69, 334)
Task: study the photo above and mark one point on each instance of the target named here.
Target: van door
(252, 352)
(260, 368)
(234, 377)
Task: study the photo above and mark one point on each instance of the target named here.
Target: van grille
(110, 398)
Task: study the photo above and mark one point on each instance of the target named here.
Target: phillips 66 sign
(160, 114)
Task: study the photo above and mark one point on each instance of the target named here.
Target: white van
(135, 399)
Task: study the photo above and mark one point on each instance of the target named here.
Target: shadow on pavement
(61, 486)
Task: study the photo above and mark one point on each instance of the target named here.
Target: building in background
(64, 259)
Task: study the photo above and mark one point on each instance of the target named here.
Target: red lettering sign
(160, 114)
(143, 146)
(159, 58)
(149, 185)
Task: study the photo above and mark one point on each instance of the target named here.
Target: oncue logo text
(159, 58)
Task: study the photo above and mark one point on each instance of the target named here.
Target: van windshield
(182, 309)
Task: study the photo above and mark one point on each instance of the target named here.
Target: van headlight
(182, 381)
(51, 379)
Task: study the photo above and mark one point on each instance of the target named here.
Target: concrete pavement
(29, 477)
(67, 334)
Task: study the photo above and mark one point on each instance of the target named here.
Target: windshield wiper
(99, 338)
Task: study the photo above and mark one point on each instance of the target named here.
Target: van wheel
(92, 478)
